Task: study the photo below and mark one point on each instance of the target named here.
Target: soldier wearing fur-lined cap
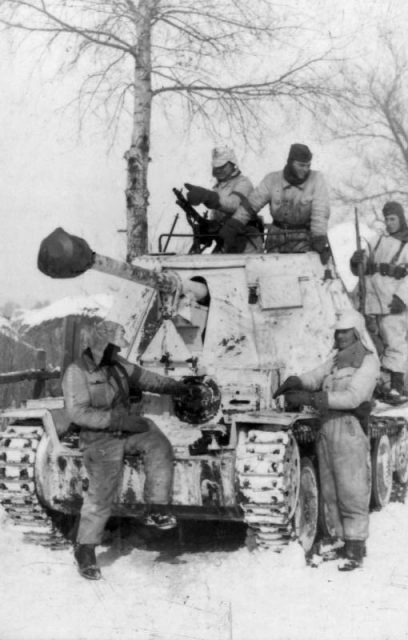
(385, 264)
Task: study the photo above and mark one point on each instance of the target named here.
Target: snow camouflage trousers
(103, 460)
(343, 452)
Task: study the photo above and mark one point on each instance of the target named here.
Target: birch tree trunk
(137, 157)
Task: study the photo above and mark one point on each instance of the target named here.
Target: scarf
(352, 356)
(292, 177)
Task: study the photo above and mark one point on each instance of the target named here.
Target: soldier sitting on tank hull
(96, 390)
(231, 189)
(299, 205)
(341, 390)
(386, 269)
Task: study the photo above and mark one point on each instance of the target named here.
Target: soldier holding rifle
(384, 272)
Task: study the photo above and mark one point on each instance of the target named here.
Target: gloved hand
(122, 420)
(197, 195)
(181, 390)
(293, 382)
(400, 271)
(356, 259)
(297, 398)
(189, 394)
(397, 305)
(358, 256)
(317, 399)
(233, 235)
(320, 244)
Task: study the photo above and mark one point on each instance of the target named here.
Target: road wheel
(307, 508)
(381, 472)
(401, 456)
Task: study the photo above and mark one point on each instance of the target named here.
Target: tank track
(268, 470)
(18, 497)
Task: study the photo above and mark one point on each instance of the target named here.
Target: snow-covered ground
(152, 594)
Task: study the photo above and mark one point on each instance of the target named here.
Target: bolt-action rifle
(361, 267)
(204, 231)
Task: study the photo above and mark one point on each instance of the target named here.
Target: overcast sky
(52, 177)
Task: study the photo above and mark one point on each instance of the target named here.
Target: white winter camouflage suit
(295, 206)
(343, 449)
(379, 292)
(228, 191)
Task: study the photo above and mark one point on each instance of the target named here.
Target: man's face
(392, 223)
(301, 169)
(344, 338)
(224, 172)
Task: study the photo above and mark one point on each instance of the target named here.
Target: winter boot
(326, 549)
(396, 395)
(330, 548)
(354, 553)
(85, 557)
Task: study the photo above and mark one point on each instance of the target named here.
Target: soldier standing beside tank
(386, 269)
(230, 190)
(341, 390)
(96, 390)
(299, 205)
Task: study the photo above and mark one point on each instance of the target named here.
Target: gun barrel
(63, 255)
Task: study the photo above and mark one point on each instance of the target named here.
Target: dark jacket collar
(108, 358)
(352, 356)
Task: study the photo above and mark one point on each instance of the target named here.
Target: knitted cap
(299, 153)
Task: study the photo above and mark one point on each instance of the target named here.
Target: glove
(320, 244)
(317, 399)
(233, 235)
(400, 271)
(356, 259)
(298, 397)
(187, 393)
(293, 382)
(180, 390)
(197, 195)
(122, 420)
(397, 305)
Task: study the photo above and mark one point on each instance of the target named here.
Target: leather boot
(396, 394)
(85, 557)
(354, 553)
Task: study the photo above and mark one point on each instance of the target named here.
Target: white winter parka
(346, 387)
(229, 200)
(292, 205)
(379, 288)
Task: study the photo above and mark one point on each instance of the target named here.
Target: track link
(18, 497)
(268, 469)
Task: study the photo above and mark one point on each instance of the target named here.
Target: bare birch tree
(222, 58)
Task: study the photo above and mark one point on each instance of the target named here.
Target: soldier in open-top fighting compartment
(341, 390)
(386, 268)
(230, 190)
(97, 390)
(299, 205)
